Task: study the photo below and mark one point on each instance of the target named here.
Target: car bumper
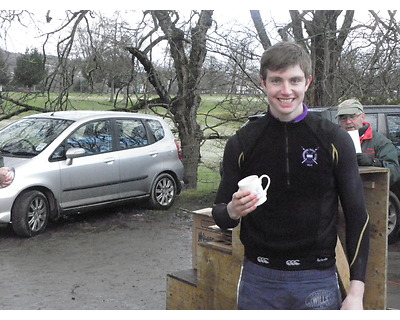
(7, 196)
(5, 217)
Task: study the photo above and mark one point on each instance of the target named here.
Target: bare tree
(188, 51)
(325, 43)
(106, 64)
(376, 62)
(61, 78)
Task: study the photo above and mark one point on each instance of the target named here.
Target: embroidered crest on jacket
(310, 156)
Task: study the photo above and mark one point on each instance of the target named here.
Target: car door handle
(109, 160)
(153, 153)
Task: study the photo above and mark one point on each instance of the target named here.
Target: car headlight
(6, 176)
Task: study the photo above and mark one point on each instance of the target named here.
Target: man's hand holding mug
(251, 194)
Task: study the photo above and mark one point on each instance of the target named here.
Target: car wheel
(30, 214)
(163, 192)
(393, 218)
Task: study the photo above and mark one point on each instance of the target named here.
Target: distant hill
(10, 58)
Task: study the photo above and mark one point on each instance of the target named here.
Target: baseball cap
(349, 106)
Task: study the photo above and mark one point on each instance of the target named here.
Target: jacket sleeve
(386, 152)
(351, 194)
(228, 185)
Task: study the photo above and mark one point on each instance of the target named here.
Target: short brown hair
(283, 55)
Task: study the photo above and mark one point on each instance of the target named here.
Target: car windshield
(29, 137)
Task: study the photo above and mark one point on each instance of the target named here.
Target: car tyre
(163, 192)
(393, 218)
(30, 214)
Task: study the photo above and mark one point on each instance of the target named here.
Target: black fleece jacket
(311, 163)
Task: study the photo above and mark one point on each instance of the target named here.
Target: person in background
(5, 178)
(377, 150)
(289, 240)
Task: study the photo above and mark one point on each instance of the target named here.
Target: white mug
(253, 184)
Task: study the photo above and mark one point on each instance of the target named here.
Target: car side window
(132, 134)
(94, 137)
(394, 129)
(157, 129)
(372, 118)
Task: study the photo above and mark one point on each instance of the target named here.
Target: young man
(377, 150)
(290, 239)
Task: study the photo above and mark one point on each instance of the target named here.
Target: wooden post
(376, 189)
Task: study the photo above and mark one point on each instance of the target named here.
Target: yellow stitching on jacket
(240, 159)
(335, 155)
(359, 240)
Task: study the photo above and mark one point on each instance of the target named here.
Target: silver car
(70, 161)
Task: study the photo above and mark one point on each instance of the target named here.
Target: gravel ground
(112, 259)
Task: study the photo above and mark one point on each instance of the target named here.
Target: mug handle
(269, 181)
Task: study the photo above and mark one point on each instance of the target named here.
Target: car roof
(381, 109)
(77, 115)
(367, 108)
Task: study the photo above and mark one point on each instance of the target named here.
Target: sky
(23, 38)
(31, 35)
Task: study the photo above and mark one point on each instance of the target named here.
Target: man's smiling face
(285, 90)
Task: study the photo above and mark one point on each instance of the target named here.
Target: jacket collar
(365, 132)
(299, 118)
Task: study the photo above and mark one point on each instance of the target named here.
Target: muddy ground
(115, 259)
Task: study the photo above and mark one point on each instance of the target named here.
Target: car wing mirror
(74, 153)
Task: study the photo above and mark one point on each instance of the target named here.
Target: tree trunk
(260, 27)
(112, 91)
(188, 68)
(190, 136)
(325, 52)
